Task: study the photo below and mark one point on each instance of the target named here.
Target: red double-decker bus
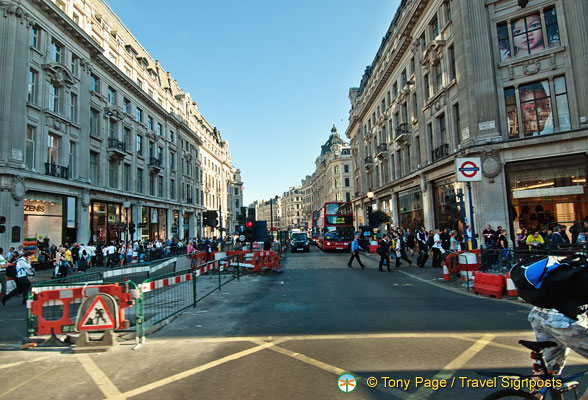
(335, 226)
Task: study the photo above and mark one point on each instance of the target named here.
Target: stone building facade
(501, 80)
(91, 123)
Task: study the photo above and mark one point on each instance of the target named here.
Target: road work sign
(98, 312)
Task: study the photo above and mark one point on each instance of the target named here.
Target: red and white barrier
(165, 282)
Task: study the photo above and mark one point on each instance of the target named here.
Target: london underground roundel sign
(468, 169)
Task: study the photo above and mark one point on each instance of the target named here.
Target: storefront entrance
(446, 202)
(107, 222)
(43, 217)
(546, 192)
(410, 208)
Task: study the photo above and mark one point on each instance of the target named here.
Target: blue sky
(272, 76)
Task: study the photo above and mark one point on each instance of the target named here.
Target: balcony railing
(440, 152)
(115, 144)
(382, 150)
(402, 132)
(58, 171)
(368, 161)
(154, 162)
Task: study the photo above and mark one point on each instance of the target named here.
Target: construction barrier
(489, 285)
(54, 310)
(511, 289)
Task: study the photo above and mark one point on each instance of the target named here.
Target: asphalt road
(291, 335)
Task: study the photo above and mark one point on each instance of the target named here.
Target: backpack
(561, 285)
(11, 270)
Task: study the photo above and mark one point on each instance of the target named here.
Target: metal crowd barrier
(156, 298)
(502, 260)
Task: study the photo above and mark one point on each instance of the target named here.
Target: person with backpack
(558, 292)
(23, 270)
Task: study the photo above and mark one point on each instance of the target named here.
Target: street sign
(242, 238)
(98, 312)
(468, 169)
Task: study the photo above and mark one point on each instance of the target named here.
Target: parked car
(300, 242)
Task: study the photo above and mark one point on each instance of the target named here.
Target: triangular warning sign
(97, 317)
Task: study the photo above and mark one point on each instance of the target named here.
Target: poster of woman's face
(536, 114)
(528, 35)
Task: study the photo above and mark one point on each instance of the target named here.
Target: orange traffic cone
(446, 275)
(511, 289)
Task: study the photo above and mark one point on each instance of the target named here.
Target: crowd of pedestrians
(397, 243)
(21, 263)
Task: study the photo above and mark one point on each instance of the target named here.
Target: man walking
(422, 239)
(384, 250)
(401, 251)
(437, 249)
(355, 252)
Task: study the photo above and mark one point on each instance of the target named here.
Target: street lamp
(127, 205)
(370, 196)
(272, 215)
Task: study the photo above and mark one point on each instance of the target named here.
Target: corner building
(90, 122)
(493, 79)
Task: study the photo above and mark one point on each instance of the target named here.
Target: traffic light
(249, 231)
(131, 228)
(205, 221)
(2, 224)
(212, 218)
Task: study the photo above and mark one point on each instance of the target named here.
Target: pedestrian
(454, 243)
(83, 261)
(410, 241)
(488, 235)
(535, 241)
(445, 239)
(556, 239)
(355, 252)
(3, 265)
(437, 249)
(422, 239)
(384, 251)
(23, 270)
(267, 244)
(209, 256)
(400, 249)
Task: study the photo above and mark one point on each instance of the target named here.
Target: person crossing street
(355, 247)
(384, 251)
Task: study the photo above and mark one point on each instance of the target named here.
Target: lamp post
(272, 215)
(370, 196)
(127, 205)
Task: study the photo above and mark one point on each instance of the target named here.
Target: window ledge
(521, 60)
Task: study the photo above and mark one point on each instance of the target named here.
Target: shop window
(536, 108)
(530, 34)
(548, 191)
